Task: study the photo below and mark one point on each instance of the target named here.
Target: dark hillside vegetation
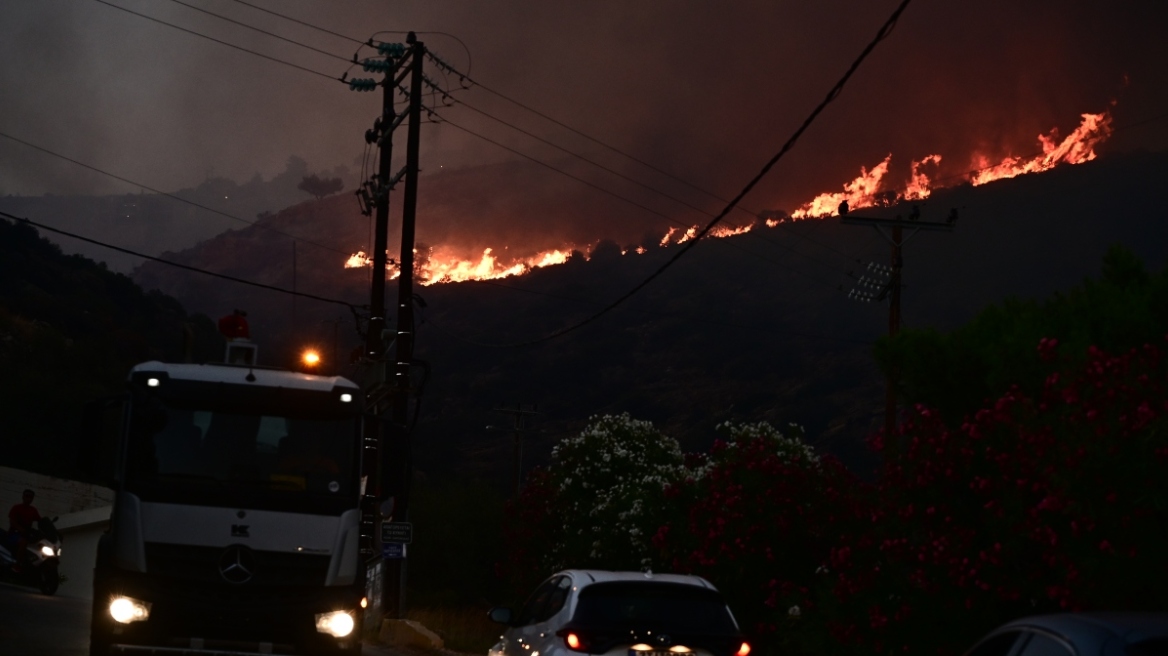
(70, 329)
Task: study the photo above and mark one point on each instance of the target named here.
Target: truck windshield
(207, 453)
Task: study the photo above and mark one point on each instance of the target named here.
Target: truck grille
(202, 564)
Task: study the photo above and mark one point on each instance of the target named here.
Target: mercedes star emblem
(236, 564)
(664, 639)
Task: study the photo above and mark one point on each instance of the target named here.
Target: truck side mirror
(99, 444)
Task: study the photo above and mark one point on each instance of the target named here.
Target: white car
(620, 614)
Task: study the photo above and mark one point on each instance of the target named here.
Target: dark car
(1079, 634)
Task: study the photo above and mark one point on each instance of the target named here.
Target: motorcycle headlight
(125, 610)
(337, 624)
(47, 551)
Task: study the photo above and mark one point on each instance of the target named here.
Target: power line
(262, 31)
(882, 34)
(180, 2)
(219, 41)
(634, 203)
(446, 67)
(169, 195)
(352, 39)
(616, 173)
(20, 219)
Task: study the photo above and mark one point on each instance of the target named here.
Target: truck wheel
(49, 579)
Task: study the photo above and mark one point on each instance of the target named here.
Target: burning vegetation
(872, 188)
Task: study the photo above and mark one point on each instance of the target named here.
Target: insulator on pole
(362, 84)
(391, 49)
(375, 65)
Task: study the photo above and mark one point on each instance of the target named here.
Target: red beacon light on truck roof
(234, 326)
(240, 349)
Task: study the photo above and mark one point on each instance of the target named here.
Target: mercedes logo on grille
(664, 639)
(237, 564)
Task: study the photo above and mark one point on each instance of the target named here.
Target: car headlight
(125, 610)
(47, 551)
(337, 624)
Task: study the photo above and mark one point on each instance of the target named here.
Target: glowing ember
(1076, 148)
(918, 185)
(860, 192)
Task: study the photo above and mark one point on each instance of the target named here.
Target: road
(35, 625)
(32, 624)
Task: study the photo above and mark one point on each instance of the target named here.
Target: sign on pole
(400, 532)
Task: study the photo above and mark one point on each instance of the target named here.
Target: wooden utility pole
(398, 457)
(892, 231)
(520, 413)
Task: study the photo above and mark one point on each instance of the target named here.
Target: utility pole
(386, 456)
(399, 452)
(892, 231)
(519, 413)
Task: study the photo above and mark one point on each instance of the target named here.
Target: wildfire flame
(866, 190)
(1076, 148)
(860, 192)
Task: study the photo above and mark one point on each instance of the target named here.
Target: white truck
(237, 519)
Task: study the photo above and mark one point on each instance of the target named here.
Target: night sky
(707, 91)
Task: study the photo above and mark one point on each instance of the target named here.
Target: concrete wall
(83, 513)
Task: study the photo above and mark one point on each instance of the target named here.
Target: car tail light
(744, 649)
(574, 642)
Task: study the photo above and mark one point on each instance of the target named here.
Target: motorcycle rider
(21, 519)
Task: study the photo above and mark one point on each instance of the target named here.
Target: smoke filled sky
(706, 90)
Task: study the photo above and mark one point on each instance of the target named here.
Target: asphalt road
(32, 624)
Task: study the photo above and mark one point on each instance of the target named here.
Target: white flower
(794, 611)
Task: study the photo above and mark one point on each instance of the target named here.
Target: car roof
(583, 577)
(1130, 627)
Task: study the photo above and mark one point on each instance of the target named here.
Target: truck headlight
(47, 551)
(337, 624)
(125, 610)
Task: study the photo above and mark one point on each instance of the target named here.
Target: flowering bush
(760, 516)
(1037, 502)
(1050, 503)
(601, 500)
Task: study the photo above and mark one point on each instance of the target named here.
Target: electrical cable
(469, 61)
(220, 41)
(756, 235)
(263, 31)
(446, 94)
(634, 203)
(882, 34)
(172, 196)
(20, 219)
(447, 68)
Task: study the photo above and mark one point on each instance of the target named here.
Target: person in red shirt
(21, 518)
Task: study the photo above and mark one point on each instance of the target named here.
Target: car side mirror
(501, 615)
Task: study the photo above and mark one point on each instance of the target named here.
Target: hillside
(69, 331)
(731, 333)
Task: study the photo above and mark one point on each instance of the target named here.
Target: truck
(237, 521)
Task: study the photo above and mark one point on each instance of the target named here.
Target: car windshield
(204, 450)
(674, 607)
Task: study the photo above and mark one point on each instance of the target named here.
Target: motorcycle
(42, 560)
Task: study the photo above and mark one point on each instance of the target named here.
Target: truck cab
(237, 516)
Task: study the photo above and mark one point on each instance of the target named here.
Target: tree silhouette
(320, 187)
